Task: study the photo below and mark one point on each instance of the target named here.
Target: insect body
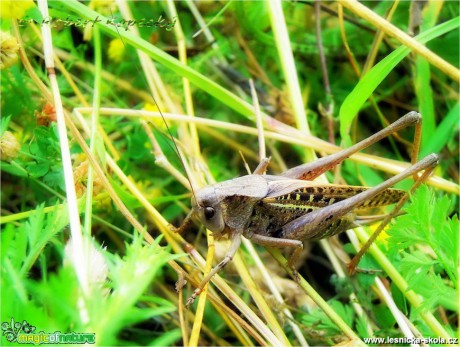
(264, 204)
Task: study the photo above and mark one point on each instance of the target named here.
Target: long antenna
(175, 147)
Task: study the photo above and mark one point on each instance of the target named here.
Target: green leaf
(416, 267)
(55, 177)
(13, 169)
(14, 245)
(130, 277)
(399, 298)
(444, 132)
(41, 228)
(35, 14)
(4, 122)
(58, 296)
(447, 47)
(423, 89)
(38, 169)
(427, 227)
(168, 338)
(127, 198)
(371, 80)
(384, 316)
(361, 326)
(319, 320)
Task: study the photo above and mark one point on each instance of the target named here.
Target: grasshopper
(282, 211)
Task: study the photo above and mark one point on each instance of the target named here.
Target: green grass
(116, 278)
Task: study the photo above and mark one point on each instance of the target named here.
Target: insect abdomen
(271, 214)
(320, 196)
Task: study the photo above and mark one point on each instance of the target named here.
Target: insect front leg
(236, 242)
(185, 224)
(262, 167)
(275, 242)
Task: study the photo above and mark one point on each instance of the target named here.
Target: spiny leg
(236, 241)
(416, 145)
(314, 169)
(352, 266)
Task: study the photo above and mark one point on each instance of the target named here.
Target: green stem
(94, 124)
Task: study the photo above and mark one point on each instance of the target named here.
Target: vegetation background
(327, 74)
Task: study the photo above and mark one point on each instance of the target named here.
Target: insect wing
(254, 186)
(299, 192)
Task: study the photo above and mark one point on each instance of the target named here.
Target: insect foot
(192, 298)
(181, 282)
(293, 260)
(295, 275)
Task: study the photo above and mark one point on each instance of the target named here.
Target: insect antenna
(174, 147)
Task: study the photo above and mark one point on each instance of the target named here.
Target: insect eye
(209, 212)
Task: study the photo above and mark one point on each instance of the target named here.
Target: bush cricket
(284, 210)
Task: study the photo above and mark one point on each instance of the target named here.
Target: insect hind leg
(311, 225)
(310, 171)
(336, 227)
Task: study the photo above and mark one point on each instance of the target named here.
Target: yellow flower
(116, 50)
(9, 48)
(383, 236)
(150, 107)
(14, 8)
(105, 7)
(157, 121)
